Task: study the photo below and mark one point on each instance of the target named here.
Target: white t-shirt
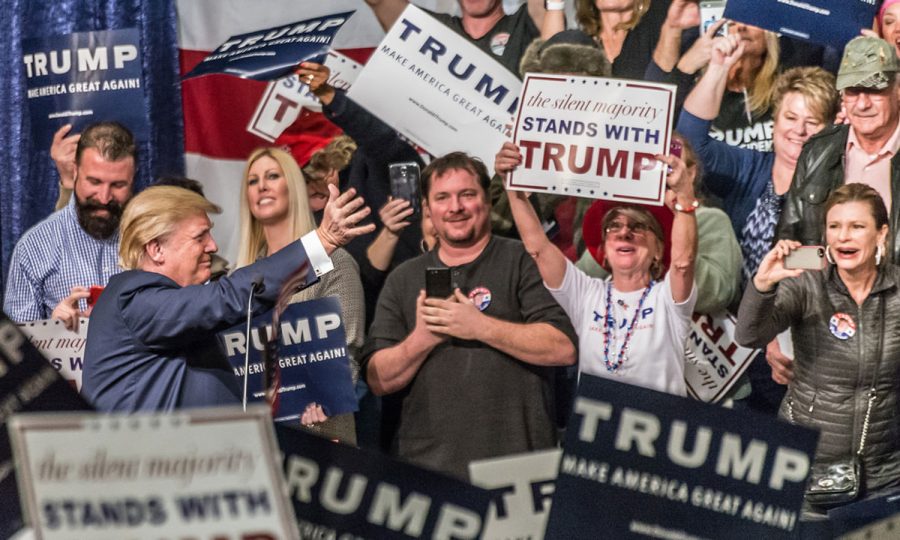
(655, 355)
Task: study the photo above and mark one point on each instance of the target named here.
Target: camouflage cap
(868, 62)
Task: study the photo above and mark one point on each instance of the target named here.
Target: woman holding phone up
(847, 356)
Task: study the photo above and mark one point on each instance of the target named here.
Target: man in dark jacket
(864, 151)
(151, 345)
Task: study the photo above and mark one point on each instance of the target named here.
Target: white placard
(523, 488)
(593, 137)
(715, 361)
(199, 474)
(438, 89)
(63, 348)
(280, 104)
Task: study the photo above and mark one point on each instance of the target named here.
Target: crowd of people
(779, 153)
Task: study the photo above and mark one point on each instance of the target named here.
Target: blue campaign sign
(659, 465)
(312, 358)
(28, 382)
(852, 517)
(343, 492)
(829, 22)
(273, 53)
(83, 78)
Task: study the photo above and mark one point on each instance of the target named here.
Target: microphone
(257, 286)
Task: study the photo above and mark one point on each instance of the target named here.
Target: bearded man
(56, 262)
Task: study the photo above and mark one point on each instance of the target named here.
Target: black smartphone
(405, 182)
(438, 282)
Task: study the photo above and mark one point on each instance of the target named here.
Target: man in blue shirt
(57, 260)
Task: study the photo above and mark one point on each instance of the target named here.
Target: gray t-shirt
(507, 40)
(469, 401)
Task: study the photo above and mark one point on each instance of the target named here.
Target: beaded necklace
(610, 326)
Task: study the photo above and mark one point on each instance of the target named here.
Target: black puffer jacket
(832, 377)
(820, 170)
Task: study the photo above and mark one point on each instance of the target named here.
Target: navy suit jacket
(152, 345)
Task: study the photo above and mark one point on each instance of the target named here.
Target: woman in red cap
(632, 326)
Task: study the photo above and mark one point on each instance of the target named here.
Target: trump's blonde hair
(154, 214)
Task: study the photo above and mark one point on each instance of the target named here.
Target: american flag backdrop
(219, 110)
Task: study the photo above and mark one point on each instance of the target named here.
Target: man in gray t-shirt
(470, 376)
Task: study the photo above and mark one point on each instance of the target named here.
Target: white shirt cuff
(319, 260)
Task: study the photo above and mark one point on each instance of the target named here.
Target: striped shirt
(51, 258)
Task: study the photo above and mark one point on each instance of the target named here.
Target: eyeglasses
(854, 92)
(636, 228)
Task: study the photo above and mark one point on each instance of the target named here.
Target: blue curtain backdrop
(28, 178)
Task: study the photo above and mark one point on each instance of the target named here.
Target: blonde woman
(275, 211)
(745, 116)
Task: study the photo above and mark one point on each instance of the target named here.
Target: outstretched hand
(341, 217)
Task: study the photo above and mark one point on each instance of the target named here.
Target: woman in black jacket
(843, 380)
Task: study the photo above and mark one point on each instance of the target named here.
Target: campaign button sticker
(842, 326)
(481, 297)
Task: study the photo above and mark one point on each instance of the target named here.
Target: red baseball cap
(593, 220)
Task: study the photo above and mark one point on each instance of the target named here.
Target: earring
(879, 253)
(828, 255)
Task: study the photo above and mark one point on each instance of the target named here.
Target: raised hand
(683, 14)
(771, 269)
(62, 152)
(315, 76)
(341, 217)
(726, 51)
(679, 184)
(394, 213)
(698, 56)
(507, 159)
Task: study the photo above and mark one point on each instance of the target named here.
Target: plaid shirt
(51, 258)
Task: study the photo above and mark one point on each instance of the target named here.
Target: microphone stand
(256, 284)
